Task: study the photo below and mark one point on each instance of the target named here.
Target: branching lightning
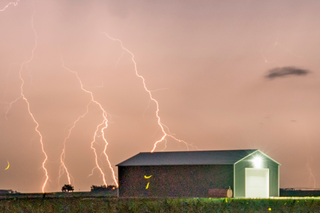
(102, 126)
(22, 95)
(63, 153)
(10, 3)
(165, 134)
(119, 59)
(162, 132)
(10, 105)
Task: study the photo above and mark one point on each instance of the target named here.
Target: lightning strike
(63, 153)
(105, 148)
(10, 3)
(10, 105)
(92, 171)
(165, 134)
(102, 126)
(311, 175)
(36, 129)
(22, 95)
(119, 59)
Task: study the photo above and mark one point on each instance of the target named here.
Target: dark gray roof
(187, 158)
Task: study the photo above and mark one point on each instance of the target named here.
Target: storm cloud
(279, 72)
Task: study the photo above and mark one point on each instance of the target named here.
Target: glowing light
(7, 166)
(102, 126)
(165, 134)
(147, 185)
(257, 162)
(147, 177)
(10, 3)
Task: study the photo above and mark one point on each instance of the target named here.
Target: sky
(225, 74)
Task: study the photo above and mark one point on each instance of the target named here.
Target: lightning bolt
(165, 134)
(22, 95)
(63, 153)
(308, 164)
(102, 126)
(311, 175)
(10, 105)
(10, 3)
(119, 59)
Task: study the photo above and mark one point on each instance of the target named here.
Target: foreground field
(103, 204)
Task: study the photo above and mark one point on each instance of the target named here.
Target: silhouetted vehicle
(67, 188)
(7, 191)
(102, 188)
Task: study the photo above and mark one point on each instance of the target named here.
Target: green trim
(234, 180)
(278, 180)
(260, 153)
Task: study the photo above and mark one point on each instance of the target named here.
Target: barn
(248, 173)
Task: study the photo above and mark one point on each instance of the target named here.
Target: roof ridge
(226, 150)
(206, 157)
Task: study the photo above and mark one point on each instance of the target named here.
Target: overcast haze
(227, 75)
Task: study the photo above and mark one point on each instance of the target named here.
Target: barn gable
(248, 162)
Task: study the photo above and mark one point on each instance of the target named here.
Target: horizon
(85, 85)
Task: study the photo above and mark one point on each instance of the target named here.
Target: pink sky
(205, 62)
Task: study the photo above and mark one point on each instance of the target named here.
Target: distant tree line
(94, 188)
(299, 192)
(102, 188)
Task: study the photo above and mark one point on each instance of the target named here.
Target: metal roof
(215, 157)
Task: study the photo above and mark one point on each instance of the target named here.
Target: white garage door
(257, 183)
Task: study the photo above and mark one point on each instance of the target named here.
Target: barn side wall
(239, 169)
(173, 181)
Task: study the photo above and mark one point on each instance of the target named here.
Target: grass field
(113, 204)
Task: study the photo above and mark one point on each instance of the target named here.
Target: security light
(257, 162)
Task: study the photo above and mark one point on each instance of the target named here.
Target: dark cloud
(286, 71)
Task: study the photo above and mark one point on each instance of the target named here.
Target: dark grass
(165, 205)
